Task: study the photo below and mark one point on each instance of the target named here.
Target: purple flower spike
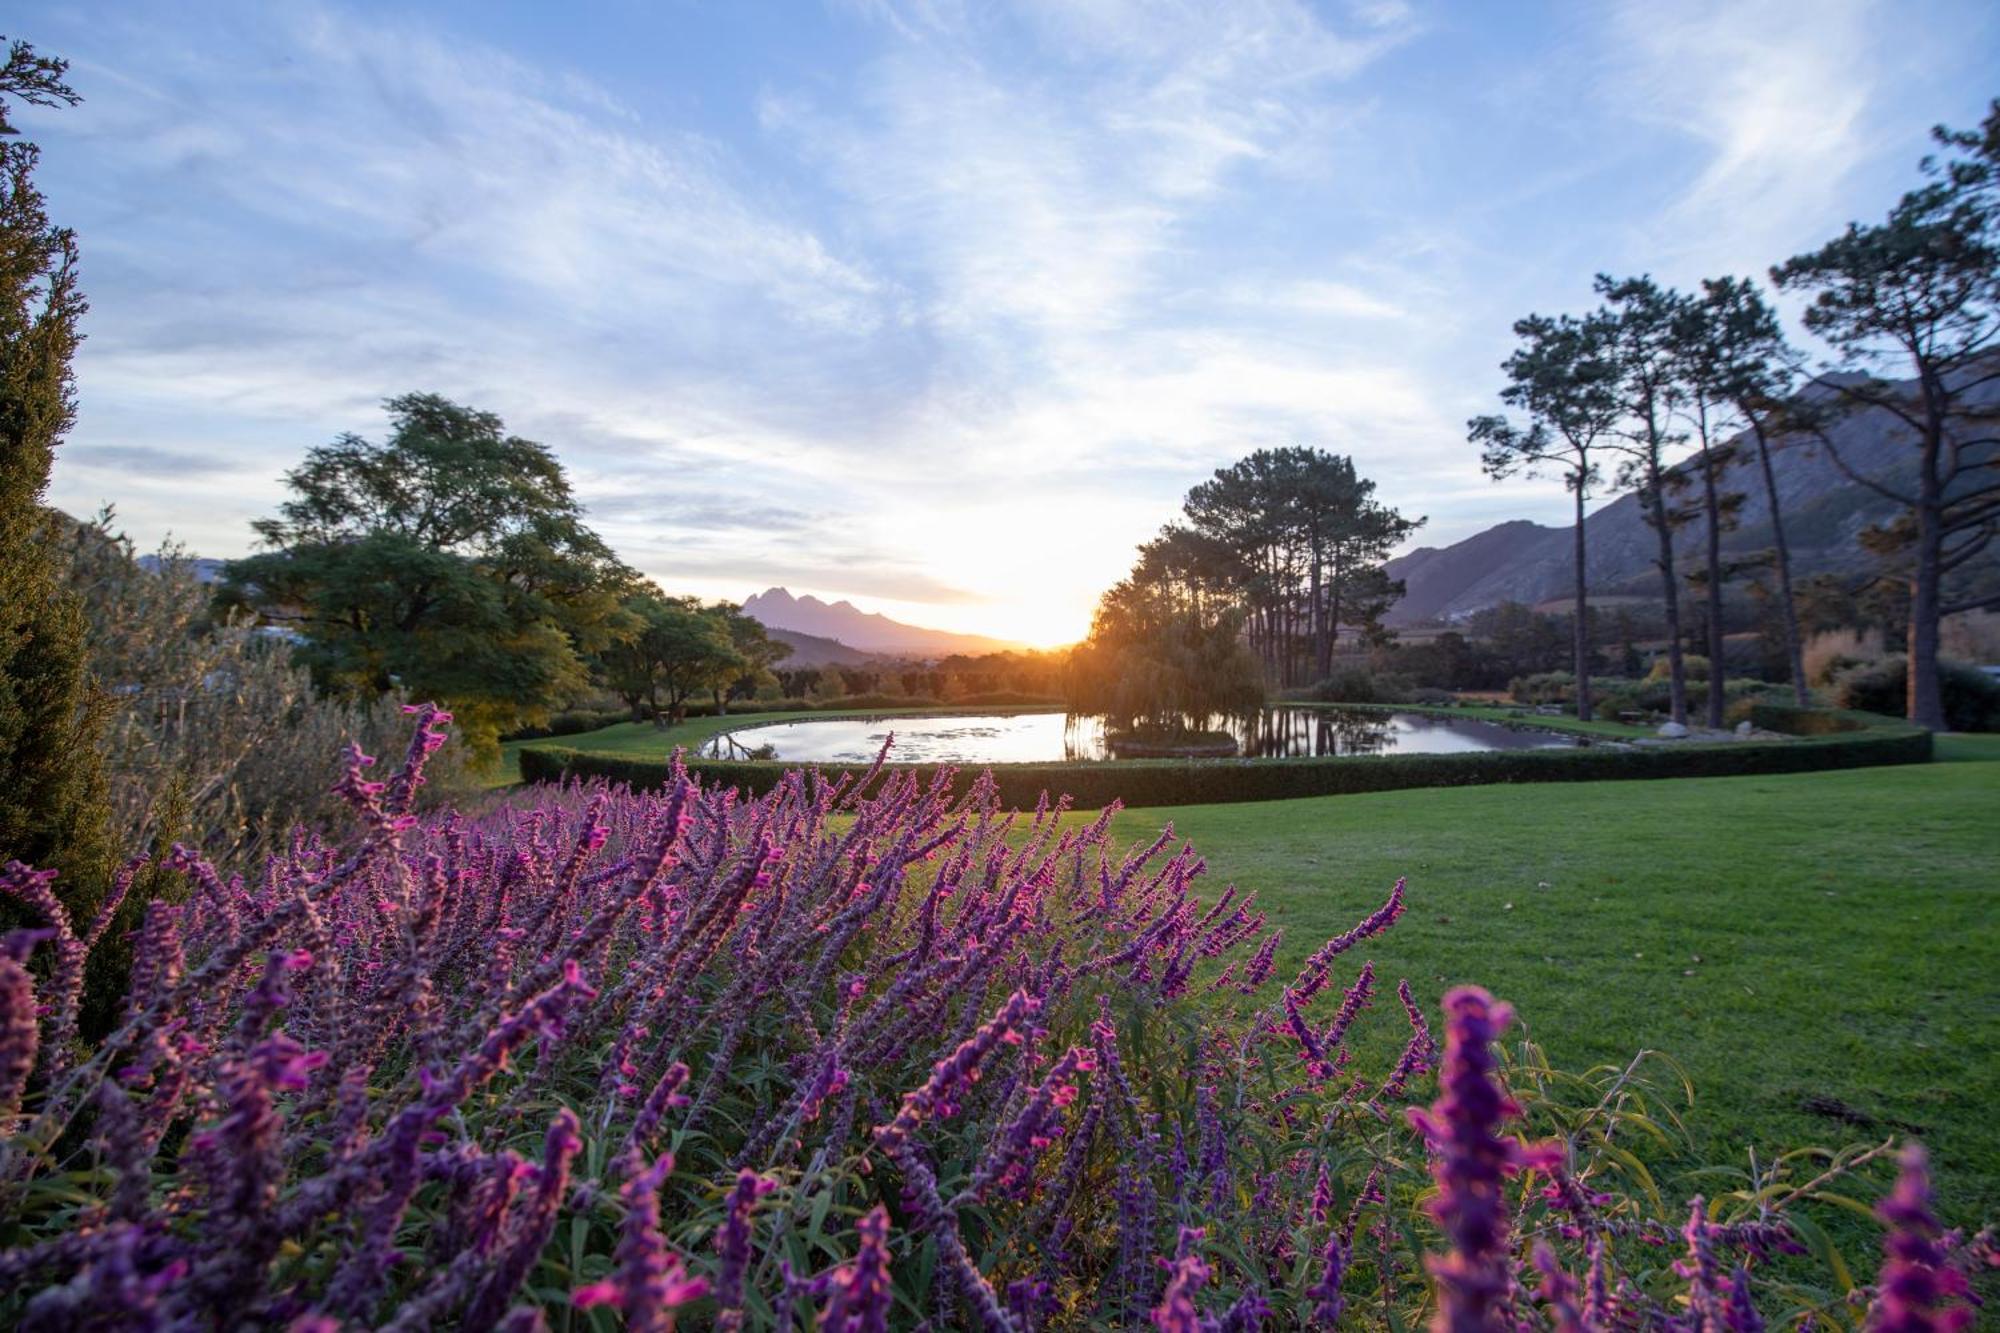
(1470, 1163)
(859, 1299)
(650, 1281)
(1917, 1292)
(732, 1244)
(1177, 1312)
(1558, 1291)
(20, 1035)
(960, 1067)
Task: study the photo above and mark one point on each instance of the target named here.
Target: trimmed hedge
(1852, 741)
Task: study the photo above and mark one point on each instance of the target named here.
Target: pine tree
(52, 808)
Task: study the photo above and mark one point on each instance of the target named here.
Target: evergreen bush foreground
(852, 1055)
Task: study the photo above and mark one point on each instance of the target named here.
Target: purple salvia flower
(933, 1218)
(1312, 977)
(20, 1028)
(531, 1235)
(1470, 1163)
(1917, 1290)
(1325, 1293)
(1260, 966)
(1558, 1292)
(1033, 1128)
(1739, 1314)
(732, 1247)
(960, 1067)
(858, 1296)
(1704, 1275)
(64, 991)
(650, 1281)
(1177, 1312)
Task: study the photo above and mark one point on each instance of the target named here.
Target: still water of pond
(1050, 737)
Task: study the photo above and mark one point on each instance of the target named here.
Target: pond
(1055, 737)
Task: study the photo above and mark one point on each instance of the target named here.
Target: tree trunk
(1794, 650)
(1926, 698)
(1669, 588)
(1582, 617)
(1713, 504)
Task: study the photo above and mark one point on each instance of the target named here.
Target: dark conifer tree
(52, 811)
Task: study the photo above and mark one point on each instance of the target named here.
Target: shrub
(1546, 687)
(1143, 782)
(1360, 685)
(838, 1050)
(1693, 667)
(1828, 654)
(214, 710)
(573, 722)
(1971, 697)
(1006, 699)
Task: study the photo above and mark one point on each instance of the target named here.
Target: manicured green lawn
(1831, 936)
(1828, 936)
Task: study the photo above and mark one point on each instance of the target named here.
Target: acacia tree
(451, 561)
(1563, 378)
(1753, 370)
(1921, 289)
(1642, 318)
(52, 789)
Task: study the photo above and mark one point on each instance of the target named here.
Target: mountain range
(848, 626)
(1824, 512)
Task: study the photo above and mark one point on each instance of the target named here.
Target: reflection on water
(1043, 737)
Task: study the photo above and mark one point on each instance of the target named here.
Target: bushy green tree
(451, 561)
(680, 649)
(52, 811)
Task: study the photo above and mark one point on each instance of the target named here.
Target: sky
(939, 307)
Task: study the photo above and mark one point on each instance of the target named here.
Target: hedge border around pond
(1820, 739)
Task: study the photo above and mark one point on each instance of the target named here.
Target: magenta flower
(1470, 1162)
(1177, 1312)
(858, 1298)
(649, 1282)
(1917, 1292)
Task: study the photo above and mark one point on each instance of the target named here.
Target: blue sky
(936, 306)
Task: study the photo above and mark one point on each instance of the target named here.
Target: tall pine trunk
(1712, 502)
(1670, 592)
(1794, 649)
(1925, 697)
(1582, 617)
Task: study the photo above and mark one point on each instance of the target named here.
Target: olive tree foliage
(1564, 380)
(51, 788)
(450, 561)
(215, 734)
(1916, 297)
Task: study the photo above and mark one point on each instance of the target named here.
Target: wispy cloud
(937, 303)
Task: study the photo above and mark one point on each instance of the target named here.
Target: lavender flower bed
(852, 1056)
